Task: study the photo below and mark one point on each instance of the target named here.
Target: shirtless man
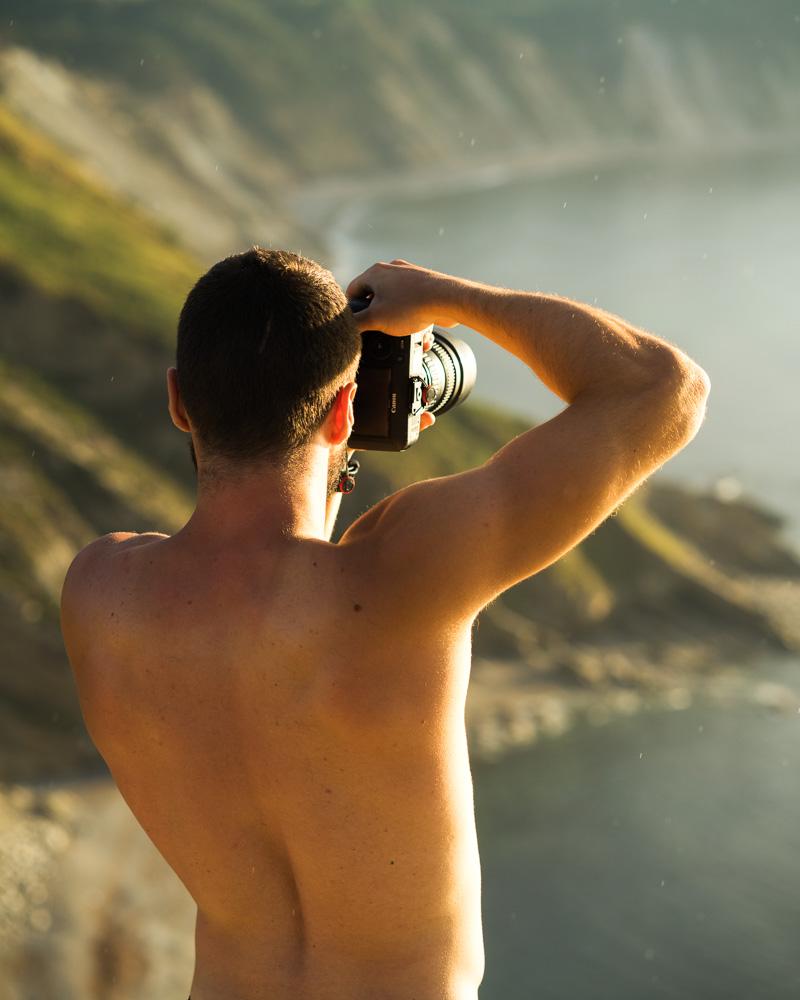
(284, 715)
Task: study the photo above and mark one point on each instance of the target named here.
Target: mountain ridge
(209, 117)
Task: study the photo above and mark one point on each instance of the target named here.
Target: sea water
(656, 856)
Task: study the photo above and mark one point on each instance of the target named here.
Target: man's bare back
(285, 716)
(245, 704)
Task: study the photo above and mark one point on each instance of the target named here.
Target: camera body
(390, 396)
(398, 380)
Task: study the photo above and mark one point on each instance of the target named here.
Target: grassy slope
(74, 266)
(69, 238)
(88, 287)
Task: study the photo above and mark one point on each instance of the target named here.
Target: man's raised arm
(634, 400)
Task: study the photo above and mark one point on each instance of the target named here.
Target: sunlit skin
(285, 716)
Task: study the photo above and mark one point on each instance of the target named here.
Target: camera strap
(347, 482)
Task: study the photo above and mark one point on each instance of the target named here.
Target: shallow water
(657, 856)
(705, 253)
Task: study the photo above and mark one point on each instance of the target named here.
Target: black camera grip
(359, 305)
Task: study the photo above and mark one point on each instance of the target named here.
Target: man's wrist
(451, 297)
(459, 299)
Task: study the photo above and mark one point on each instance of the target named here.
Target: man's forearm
(649, 389)
(573, 348)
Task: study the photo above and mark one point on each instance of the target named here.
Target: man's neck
(266, 502)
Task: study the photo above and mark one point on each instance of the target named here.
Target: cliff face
(208, 114)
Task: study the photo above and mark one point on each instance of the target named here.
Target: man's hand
(403, 298)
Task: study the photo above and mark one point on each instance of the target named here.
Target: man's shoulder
(370, 529)
(367, 526)
(90, 587)
(92, 564)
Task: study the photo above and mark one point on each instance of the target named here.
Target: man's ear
(340, 419)
(176, 410)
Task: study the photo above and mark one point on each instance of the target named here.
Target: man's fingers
(358, 290)
(426, 419)
(360, 287)
(369, 318)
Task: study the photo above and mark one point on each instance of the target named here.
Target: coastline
(334, 207)
(508, 711)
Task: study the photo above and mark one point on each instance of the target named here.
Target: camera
(397, 381)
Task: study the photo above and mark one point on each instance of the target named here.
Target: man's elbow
(698, 398)
(688, 387)
(700, 388)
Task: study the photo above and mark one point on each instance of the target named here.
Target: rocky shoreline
(88, 908)
(508, 709)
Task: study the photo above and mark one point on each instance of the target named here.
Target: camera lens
(449, 372)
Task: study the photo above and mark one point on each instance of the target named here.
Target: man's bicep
(459, 541)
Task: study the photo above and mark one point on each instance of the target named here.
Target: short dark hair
(265, 341)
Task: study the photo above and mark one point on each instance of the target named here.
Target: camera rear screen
(372, 402)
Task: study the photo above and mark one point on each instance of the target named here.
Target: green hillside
(87, 288)
(89, 294)
(71, 239)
